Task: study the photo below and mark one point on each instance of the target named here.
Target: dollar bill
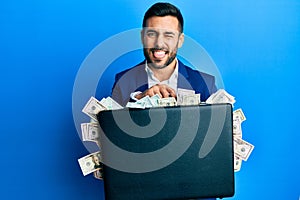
(193, 99)
(221, 96)
(92, 108)
(105, 104)
(98, 174)
(111, 104)
(237, 163)
(140, 105)
(242, 148)
(84, 131)
(146, 101)
(239, 114)
(210, 98)
(90, 163)
(181, 93)
(237, 127)
(168, 101)
(154, 100)
(90, 131)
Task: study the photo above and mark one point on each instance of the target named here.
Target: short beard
(155, 66)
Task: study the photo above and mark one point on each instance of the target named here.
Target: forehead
(165, 22)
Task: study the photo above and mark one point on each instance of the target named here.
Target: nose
(160, 41)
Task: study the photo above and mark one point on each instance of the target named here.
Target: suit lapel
(183, 77)
(141, 78)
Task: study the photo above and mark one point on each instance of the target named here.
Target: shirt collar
(151, 75)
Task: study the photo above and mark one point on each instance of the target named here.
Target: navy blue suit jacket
(135, 79)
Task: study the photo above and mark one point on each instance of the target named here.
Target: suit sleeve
(212, 88)
(116, 91)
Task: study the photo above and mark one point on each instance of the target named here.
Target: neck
(165, 73)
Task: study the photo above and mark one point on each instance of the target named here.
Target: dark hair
(161, 10)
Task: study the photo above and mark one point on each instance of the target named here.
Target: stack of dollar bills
(242, 149)
(92, 163)
(184, 97)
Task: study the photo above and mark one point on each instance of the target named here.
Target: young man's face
(161, 39)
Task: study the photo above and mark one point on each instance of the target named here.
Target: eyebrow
(169, 32)
(151, 30)
(157, 31)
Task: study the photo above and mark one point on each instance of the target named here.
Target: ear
(180, 40)
(142, 36)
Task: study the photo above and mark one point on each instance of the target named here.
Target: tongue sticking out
(159, 54)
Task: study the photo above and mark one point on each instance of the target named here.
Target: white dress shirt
(152, 80)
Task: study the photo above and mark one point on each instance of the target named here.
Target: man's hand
(161, 89)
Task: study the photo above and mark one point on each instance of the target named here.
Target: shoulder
(132, 70)
(193, 73)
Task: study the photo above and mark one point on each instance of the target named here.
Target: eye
(169, 35)
(151, 34)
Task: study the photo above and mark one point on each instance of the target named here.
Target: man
(161, 73)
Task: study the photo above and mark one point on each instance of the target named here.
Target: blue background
(255, 45)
